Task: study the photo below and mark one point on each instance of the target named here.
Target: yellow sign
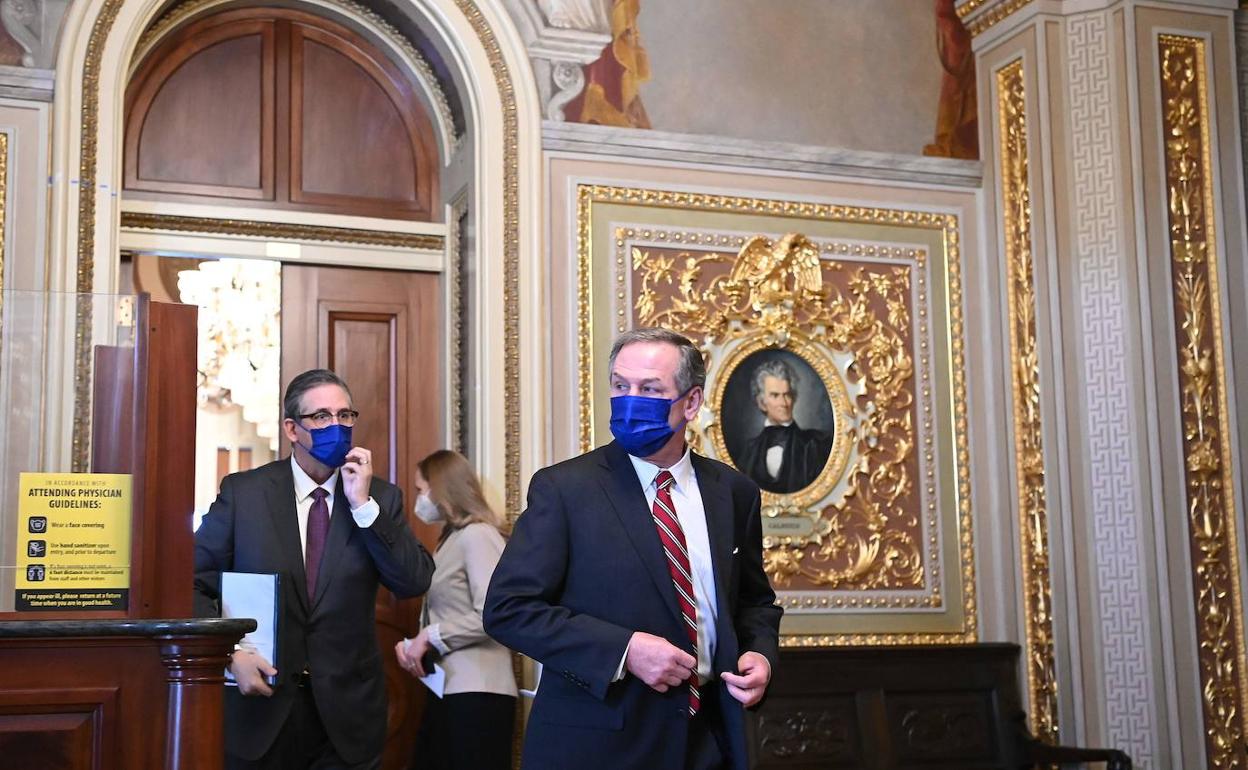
(73, 541)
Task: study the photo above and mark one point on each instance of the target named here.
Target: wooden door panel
(284, 109)
(380, 330)
(366, 345)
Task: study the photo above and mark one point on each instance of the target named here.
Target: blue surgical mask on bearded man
(330, 445)
(639, 423)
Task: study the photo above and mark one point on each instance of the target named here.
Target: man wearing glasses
(332, 532)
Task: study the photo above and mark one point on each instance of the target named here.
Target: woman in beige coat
(471, 726)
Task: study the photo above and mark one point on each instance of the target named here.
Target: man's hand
(410, 651)
(357, 474)
(249, 669)
(658, 662)
(748, 686)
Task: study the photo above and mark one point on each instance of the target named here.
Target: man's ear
(694, 402)
(288, 429)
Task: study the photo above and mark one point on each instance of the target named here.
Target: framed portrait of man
(777, 420)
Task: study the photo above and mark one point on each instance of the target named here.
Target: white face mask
(426, 511)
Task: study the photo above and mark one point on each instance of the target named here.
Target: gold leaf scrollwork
(1203, 408)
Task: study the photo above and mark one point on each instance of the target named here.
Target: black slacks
(466, 731)
(707, 748)
(302, 744)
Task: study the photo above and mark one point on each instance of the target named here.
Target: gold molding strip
(584, 312)
(992, 16)
(85, 284)
(455, 277)
(1208, 468)
(969, 7)
(281, 231)
(1025, 376)
(4, 200)
(511, 252)
(4, 212)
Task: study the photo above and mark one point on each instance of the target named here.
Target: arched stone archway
(98, 41)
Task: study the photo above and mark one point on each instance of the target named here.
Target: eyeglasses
(324, 418)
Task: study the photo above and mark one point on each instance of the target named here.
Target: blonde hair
(454, 488)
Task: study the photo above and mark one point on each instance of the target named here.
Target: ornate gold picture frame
(835, 378)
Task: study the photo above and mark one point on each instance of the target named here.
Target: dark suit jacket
(583, 570)
(253, 527)
(805, 453)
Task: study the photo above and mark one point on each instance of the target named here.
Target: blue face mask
(639, 423)
(330, 445)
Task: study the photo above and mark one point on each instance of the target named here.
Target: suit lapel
(340, 526)
(280, 497)
(625, 494)
(717, 504)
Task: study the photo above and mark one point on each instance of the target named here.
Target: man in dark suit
(783, 457)
(332, 532)
(635, 577)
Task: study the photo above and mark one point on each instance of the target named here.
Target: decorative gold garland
(992, 16)
(1028, 428)
(1209, 480)
(281, 231)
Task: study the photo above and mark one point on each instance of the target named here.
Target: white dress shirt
(775, 454)
(687, 500)
(364, 516)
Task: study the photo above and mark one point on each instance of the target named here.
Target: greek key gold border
(1208, 468)
(1025, 377)
(281, 231)
(946, 224)
(88, 167)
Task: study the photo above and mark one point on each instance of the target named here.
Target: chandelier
(239, 337)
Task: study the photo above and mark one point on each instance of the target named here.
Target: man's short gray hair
(302, 383)
(777, 368)
(692, 368)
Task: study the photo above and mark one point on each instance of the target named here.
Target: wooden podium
(143, 687)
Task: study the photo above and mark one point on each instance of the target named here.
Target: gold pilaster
(1208, 480)
(1025, 376)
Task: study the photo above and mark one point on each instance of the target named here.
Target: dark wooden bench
(947, 707)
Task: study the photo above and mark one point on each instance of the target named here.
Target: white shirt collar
(681, 470)
(304, 483)
(768, 423)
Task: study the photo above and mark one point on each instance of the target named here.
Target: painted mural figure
(783, 457)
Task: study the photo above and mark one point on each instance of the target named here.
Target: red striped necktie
(673, 538)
